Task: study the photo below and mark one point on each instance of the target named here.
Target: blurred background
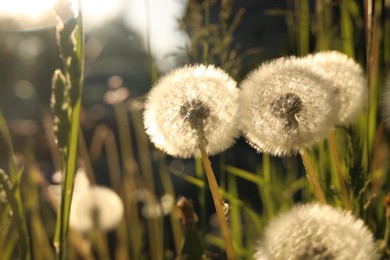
(122, 37)
(129, 44)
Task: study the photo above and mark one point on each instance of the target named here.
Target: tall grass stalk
(40, 243)
(303, 17)
(346, 24)
(340, 177)
(11, 187)
(177, 230)
(86, 159)
(234, 213)
(129, 180)
(69, 152)
(265, 190)
(104, 137)
(201, 176)
(12, 191)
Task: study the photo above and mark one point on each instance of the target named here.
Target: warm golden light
(28, 12)
(33, 9)
(96, 12)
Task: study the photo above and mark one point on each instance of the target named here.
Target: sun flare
(33, 11)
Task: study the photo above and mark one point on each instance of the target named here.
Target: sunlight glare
(95, 12)
(32, 9)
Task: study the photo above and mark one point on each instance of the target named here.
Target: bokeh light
(40, 13)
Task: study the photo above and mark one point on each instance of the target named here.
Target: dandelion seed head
(192, 103)
(98, 206)
(195, 112)
(348, 77)
(286, 107)
(315, 231)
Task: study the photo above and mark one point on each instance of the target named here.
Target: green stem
(335, 155)
(265, 191)
(387, 230)
(207, 32)
(177, 230)
(304, 27)
(15, 201)
(13, 190)
(70, 154)
(312, 176)
(67, 191)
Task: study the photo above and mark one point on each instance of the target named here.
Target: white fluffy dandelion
(286, 106)
(348, 77)
(96, 207)
(315, 231)
(190, 105)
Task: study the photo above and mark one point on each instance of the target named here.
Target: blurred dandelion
(153, 208)
(96, 207)
(347, 76)
(117, 93)
(189, 104)
(92, 206)
(286, 107)
(315, 231)
(81, 183)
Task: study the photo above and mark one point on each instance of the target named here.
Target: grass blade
(75, 71)
(15, 201)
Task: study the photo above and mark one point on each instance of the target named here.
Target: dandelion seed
(347, 76)
(190, 105)
(286, 107)
(316, 231)
(96, 207)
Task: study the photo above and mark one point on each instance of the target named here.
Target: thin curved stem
(312, 176)
(219, 204)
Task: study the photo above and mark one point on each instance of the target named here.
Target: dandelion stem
(312, 176)
(219, 204)
(336, 159)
